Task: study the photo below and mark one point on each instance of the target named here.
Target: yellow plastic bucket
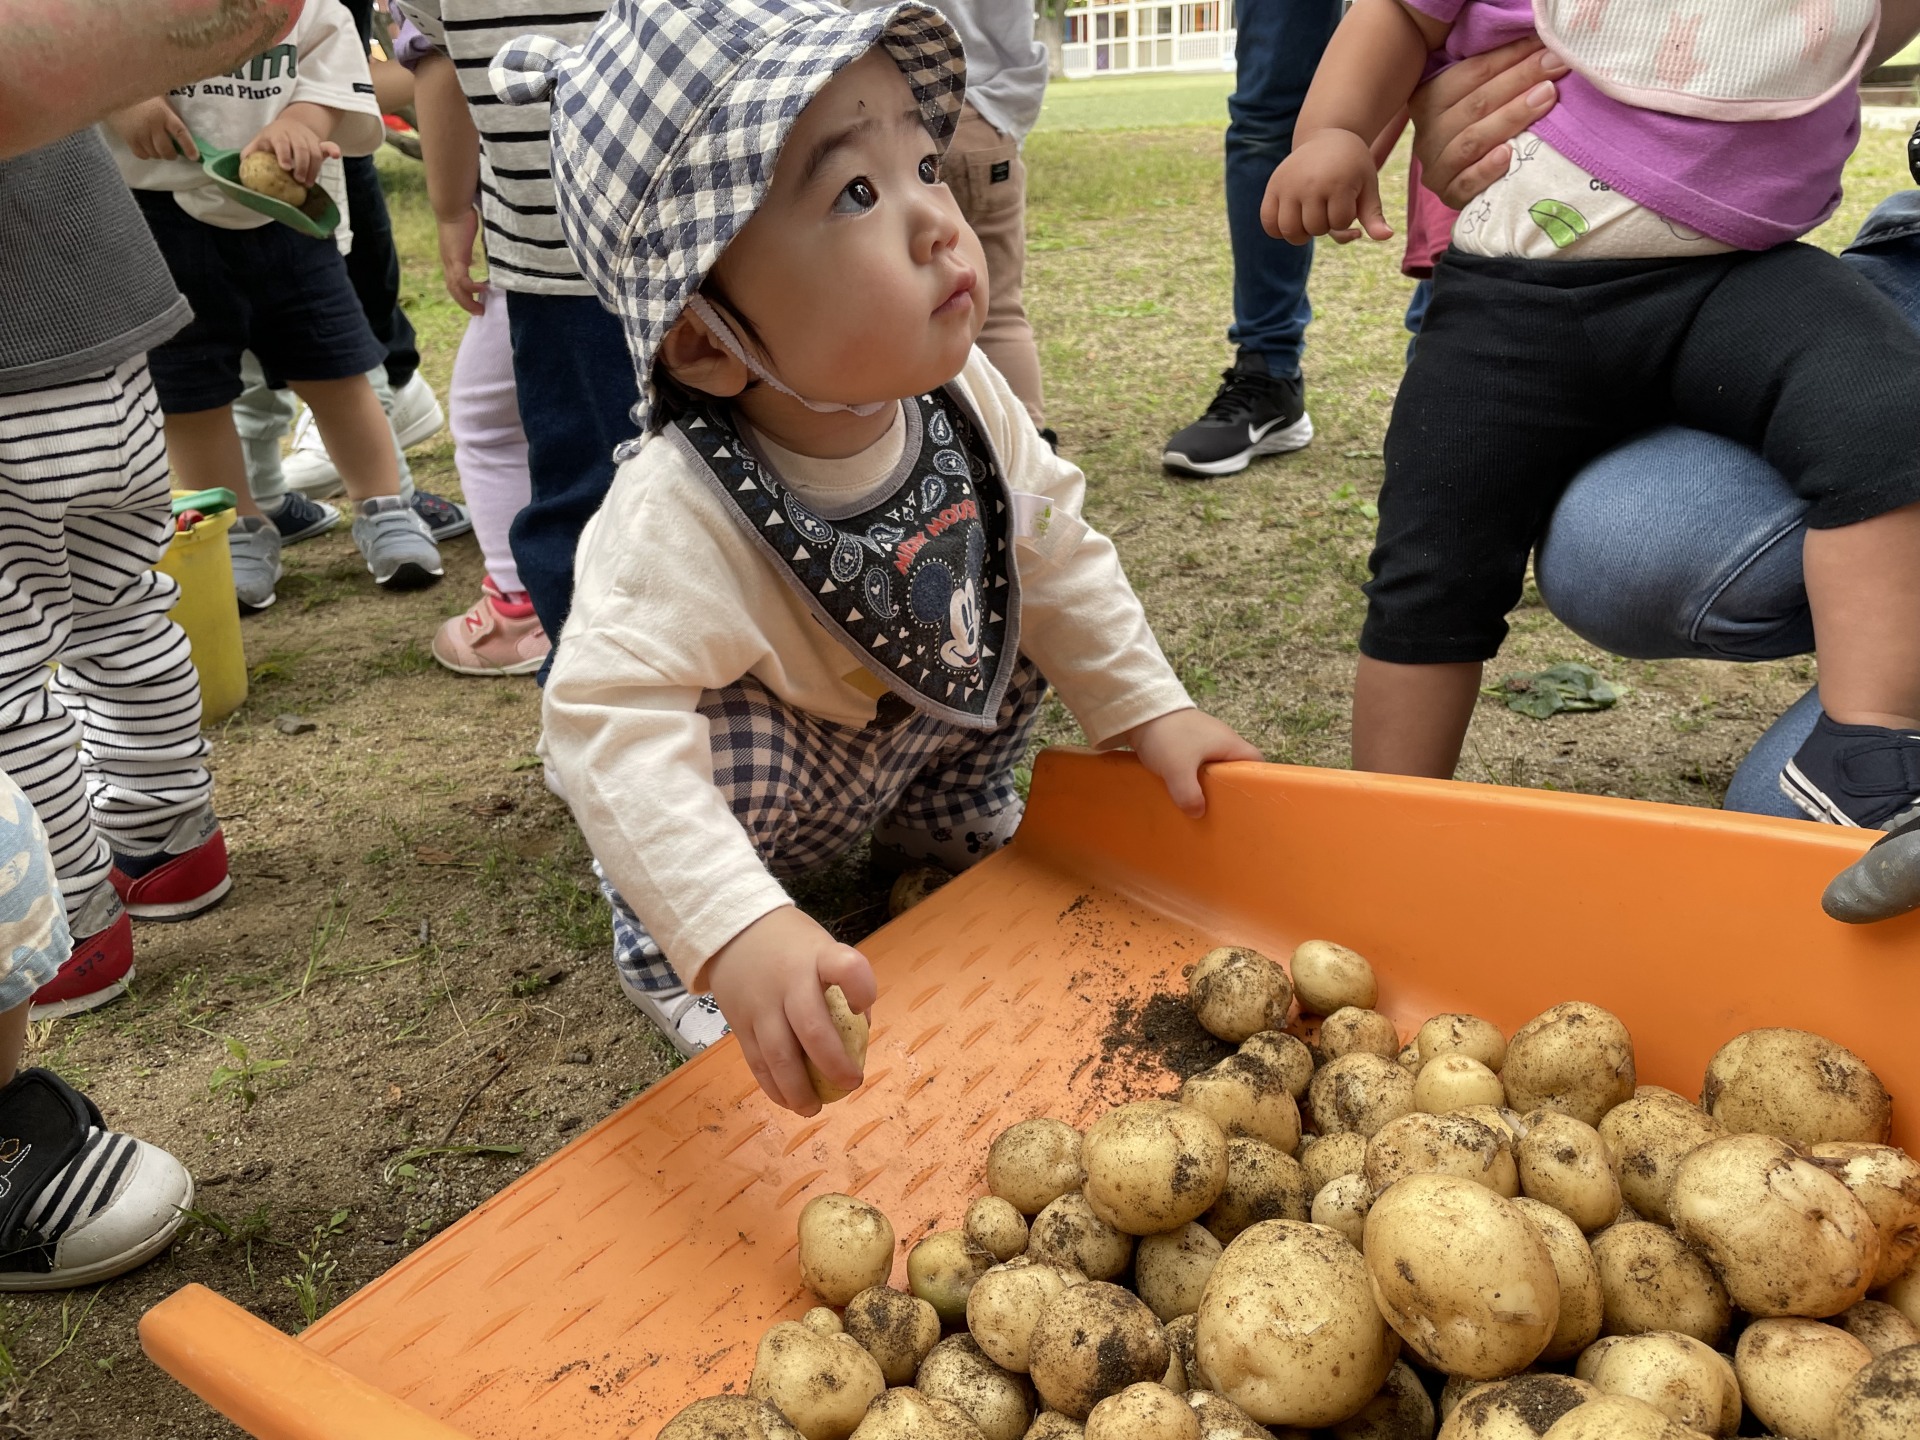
(209, 612)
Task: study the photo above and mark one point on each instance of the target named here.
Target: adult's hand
(1464, 116)
(1882, 883)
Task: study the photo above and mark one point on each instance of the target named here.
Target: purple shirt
(1752, 184)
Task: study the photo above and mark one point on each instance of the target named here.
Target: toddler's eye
(929, 170)
(858, 197)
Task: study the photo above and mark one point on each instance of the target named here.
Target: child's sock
(1858, 775)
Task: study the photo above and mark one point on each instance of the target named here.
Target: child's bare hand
(770, 982)
(1175, 746)
(153, 131)
(1327, 186)
(457, 240)
(295, 146)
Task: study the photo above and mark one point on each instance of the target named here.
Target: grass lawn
(407, 1001)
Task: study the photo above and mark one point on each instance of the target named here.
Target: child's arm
(1370, 70)
(297, 136)
(153, 130)
(450, 151)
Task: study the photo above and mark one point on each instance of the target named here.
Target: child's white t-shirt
(321, 62)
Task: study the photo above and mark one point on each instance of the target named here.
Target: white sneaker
(416, 413)
(309, 469)
(690, 1022)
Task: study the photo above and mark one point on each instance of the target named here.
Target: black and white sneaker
(1858, 775)
(297, 518)
(444, 518)
(1252, 414)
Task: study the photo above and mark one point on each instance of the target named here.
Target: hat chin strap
(729, 339)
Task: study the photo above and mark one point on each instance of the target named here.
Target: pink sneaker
(497, 636)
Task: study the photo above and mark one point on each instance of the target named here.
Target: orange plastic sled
(636, 1269)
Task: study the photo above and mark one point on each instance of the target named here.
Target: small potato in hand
(853, 1036)
(260, 172)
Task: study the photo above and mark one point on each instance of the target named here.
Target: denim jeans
(1277, 49)
(577, 393)
(1684, 545)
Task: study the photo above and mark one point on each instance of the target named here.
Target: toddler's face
(858, 274)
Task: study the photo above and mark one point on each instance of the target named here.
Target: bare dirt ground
(407, 1000)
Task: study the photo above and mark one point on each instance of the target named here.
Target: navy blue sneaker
(443, 517)
(297, 518)
(1858, 775)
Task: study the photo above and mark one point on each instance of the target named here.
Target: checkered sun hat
(667, 123)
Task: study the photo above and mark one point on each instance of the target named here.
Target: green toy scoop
(224, 167)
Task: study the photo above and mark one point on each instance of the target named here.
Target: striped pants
(108, 745)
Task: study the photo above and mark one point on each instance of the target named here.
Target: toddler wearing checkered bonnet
(828, 589)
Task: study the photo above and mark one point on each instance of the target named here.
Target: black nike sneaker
(1253, 413)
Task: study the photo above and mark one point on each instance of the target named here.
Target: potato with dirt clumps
(941, 1270)
(1180, 1342)
(1523, 1408)
(1327, 977)
(1690, 1383)
(1878, 1326)
(1798, 1086)
(1467, 1035)
(1564, 1163)
(1453, 1082)
(1237, 993)
(1423, 1144)
(1331, 1156)
(1882, 1402)
(1342, 1205)
(1143, 1412)
(1170, 1270)
(1287, 1056)
(1509, 1121)
(1648, 1136)
(997, 1401)
(1409, 1057)
(1887, 1182)
(1033, 1163)
(1582, 1307)
(1221, 1419)
(1245, 1097)
(1052, 1425)
(1463, 1276)
(896, 1328)
(1262, 1184)
(909, 1415)
(1785, 1236)
(1068, 1233)
(729, 1417)
(846, 1246)
(260, 172)
(1359, 1093)
(1793, 1373)
(1152, 1166)
(822, 1321)
(1093, 1341)
(1351, 1030)
(1287, 1329)
(996, 1226)
(1618, 1417)
(1651, 1279)
(1575, 1058)
(852, 1030)
(1401, 1411)
(821, 1383)
(1007, 1301)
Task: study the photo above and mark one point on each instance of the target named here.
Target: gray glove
(1882, 883)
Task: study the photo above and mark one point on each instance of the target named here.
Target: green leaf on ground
(1566, 687)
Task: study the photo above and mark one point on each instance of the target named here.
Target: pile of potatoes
(1337, 1233)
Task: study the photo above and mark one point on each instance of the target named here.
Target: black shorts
(283, 295)
(1527, 370)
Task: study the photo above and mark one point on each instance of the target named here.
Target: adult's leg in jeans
(577, 393)
(374, 267)
(489, 445)
(1278, 46)
(988, 178)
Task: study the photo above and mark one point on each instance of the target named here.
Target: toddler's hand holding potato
(295, 144)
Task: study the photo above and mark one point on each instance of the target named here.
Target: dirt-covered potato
(1409, 1057)
(1501, 1119)
(1685, 1380)
(260, 172)
(909, 1415)
(1093, 1341)
(821, 1383)
(1245, 1096)
(1328, 977)
(1575, 1058)
(1221, 1419)
(1170, 1270)
(846, 1246)
(996, 1226)
(1467, 1035)
(1590, 1357)
(1618, 1417)
(822, 1321)
(1287, 1056)
(1180, 1342)
(1350, 1030)
(896, 1328)
(1143, 1412)
(1887, 1182)
(1424, 1144)
(998, 1402)
(1342, 1204)
(1651, 1279)
(729, 1417)
(1033, 1163)
(1879, 1327)
(1564, 1163)
(1052, 1425)
(1453, 1082)
(1795, 1085)
(1287, 1329)
(1582, 1307)
(1523, 1408)
(1152, 1166)
(1785, 1236)
(1648, 1136)
(853, 1039)
(1005, 1304)
(1793, 1373)
(1881, 1402)
(941, 1270)
(1332, 1156)
(1462, 1275)
(1904, 1294)
(1068, 1233)
(1359, 1093)
(1262, 1184)
(1237, 993)
(1402, 1410)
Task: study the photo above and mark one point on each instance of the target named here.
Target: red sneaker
(101, 963)
(185, 874)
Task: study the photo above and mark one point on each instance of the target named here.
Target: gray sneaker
(254, 545)
(396, 544)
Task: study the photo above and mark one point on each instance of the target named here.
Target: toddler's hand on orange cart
(770, 982)
(1175, 746)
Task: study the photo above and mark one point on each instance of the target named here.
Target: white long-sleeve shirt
(673, 599)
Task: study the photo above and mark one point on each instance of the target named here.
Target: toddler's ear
(698, 361)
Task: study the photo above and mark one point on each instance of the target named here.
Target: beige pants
(984, 170)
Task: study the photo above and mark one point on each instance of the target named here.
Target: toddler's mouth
(960, 298)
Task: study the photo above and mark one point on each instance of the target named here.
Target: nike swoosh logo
(1256, 436)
